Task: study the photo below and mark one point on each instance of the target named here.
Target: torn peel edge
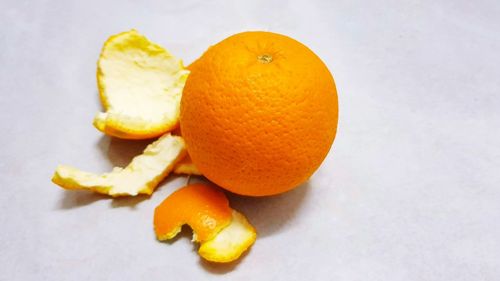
(69, 183)
(111, 125)
(172, 234)
(169, 235)
(163, 236)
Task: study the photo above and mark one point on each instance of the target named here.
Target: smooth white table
(410, 191)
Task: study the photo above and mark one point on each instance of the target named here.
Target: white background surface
(410, 191)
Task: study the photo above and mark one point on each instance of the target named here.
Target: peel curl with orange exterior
(141, 176)
(204, 208)
(223, 233)
(140, 85)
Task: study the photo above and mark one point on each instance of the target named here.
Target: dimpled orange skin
(259, 113)
(204, 208)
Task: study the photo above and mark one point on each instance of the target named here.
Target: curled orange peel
(204, 208)
(223, 233)
(230, 242)
(141, 176)
(140, 85)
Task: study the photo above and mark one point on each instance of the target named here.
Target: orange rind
(140, 85)
(230, 242)
(204, 208)
(187, 167)
(141, 176)
(223, 233)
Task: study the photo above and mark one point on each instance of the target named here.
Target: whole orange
(259, 113)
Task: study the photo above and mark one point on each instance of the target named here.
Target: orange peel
(140, 85)
(204, 208)
(187, 167)
(231, 241)
(223, 233)
(141, 176)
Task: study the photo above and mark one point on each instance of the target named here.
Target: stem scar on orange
(259, 113)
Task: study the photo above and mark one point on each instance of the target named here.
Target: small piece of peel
(140, 85)
(204, 208)
(230, 242)
(224, 234)
(187, 167)
(141, 176)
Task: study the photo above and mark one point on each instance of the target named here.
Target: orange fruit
(205, 209)
(259, 113)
